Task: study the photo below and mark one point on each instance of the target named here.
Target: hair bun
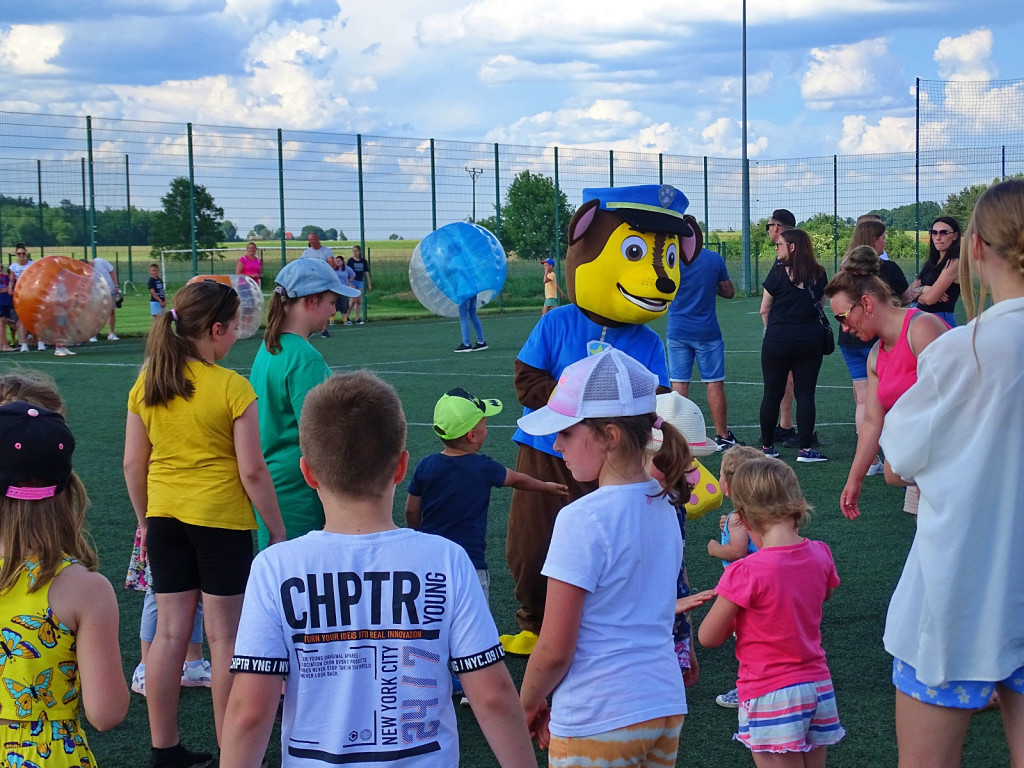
(862, 260)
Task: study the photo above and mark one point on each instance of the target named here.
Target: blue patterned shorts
(957, 694)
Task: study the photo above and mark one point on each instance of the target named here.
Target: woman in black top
(938, 284)
(792, 339)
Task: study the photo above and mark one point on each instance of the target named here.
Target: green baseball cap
(458, 411)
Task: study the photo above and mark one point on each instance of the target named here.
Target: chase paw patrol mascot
(622, 271)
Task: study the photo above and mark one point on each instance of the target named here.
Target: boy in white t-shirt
(363, 620)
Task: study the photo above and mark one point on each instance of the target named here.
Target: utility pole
(473, 173)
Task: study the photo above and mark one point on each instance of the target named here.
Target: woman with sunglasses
(938, 285)
(194, 471)
(865, 307)
(792, 339)
(955, 626)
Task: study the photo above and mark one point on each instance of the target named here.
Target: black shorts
(183, 557)
(7, 311)
(341, 304)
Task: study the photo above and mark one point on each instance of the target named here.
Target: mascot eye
(670, 256)
(634, 248)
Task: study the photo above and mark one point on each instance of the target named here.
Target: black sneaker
(769, 451)
(727, 442)
(324, 334)
(178, 757)
(479, 345)
(809, 455)
(794, 442)
(462, 348)
(784, 433)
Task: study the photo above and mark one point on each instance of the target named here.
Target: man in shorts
(694, 334)
(106, 271)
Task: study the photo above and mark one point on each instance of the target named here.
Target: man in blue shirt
(694, 334)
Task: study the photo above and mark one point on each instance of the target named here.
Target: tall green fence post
(661, 169)
(707, 223)
(555, 255)
(433, 189)
(917, 175)
(611, 167)
(39, 206)
(128, 211)
(92, 188)
(362, 212)
(280, 193)
(192, 204)
(835, 213)
(85, 216)
(497, 194)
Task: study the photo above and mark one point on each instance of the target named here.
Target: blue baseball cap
(306, 277)
(649, 207)
(549, 262)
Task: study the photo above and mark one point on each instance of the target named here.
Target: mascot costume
(622, 271)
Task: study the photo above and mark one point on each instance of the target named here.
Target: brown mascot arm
(533, 386)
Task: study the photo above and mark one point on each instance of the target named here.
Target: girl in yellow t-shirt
(194, 471)
(60, 653)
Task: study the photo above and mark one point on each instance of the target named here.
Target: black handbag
(828, 339)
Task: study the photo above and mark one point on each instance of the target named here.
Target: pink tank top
(897, 368)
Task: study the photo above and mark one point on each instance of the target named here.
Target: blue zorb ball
(454, 263)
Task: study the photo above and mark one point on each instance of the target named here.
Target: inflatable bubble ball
(249, 294)
(62, 301)
(454, 263)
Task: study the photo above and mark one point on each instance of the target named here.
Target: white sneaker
(139, 679)
(23, 348)
(41, 347)
(196, 674)
(876, 468)
(93, 340)
(63, 352)
(113, 337)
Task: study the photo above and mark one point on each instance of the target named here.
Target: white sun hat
(610, 383)
(683, 414)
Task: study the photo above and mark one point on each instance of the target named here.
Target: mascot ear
(691, 245)
(582, 220)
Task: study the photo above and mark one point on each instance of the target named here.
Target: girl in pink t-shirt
(772, 599)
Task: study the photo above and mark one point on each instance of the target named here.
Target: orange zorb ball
(62, 301)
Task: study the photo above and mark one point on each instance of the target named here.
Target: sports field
(416, 357)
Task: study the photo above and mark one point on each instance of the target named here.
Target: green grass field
(416, 357)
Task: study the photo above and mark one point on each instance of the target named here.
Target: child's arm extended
(87, 602)
(553, 655)
(496, 708)
(252, 469)
(737, 546)
(413, 513)
(523, 482)
(137, 450)
(249, 719)
(718, 624)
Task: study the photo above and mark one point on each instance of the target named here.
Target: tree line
(526, 224)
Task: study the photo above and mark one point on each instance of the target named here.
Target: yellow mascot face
(633, 279)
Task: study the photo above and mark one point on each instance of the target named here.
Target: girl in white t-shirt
(606, 648)
(772, 599)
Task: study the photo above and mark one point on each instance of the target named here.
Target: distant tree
(341, 235)
(395, 236)
(171, 227)
(310, 228)
(528, 217)
(330, 234)
(260, 232)
(820, 228)
(228, 231)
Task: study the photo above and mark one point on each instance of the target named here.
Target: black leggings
(778, 359)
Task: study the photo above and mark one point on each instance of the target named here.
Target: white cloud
(890, 134)
(506, 68)
(27, 50)
(965, 57)
(861, 72)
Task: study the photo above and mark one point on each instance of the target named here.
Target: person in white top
(106, 271)
(15, 270)
(318, 250)
(955, 626)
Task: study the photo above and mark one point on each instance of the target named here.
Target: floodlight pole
(473, 173)
(746, 165)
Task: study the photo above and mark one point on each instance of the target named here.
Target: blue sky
(825, 76)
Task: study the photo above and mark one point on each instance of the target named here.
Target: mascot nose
(665, 285)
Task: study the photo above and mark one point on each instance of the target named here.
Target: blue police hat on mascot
(648, 207)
